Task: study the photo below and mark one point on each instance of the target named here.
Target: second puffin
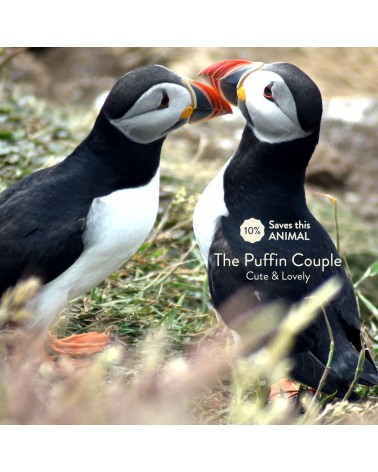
(255, 230)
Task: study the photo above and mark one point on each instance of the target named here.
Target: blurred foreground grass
(172, 360)
(149, 384)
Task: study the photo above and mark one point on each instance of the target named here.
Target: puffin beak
(227, 77)
(206, 102)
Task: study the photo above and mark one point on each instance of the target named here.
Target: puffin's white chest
(209, 208)
(118, 223)
(116, 226)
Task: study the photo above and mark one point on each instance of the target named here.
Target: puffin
(73, 224)
(256, 233)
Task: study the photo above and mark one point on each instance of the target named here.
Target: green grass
(161, 286)
(158, 310)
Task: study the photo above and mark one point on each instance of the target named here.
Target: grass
(172, 360)
(161, 286)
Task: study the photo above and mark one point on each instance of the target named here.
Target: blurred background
(345, 163)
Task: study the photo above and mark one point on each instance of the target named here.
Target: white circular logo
(252, 230)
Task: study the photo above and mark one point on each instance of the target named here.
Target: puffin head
(279, 101)
(149, 102)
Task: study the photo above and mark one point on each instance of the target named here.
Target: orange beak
(207, 103)
(226, 77)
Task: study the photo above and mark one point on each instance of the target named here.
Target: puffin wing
(38, 235)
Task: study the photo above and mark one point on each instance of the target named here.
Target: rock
(352, 110)
(329, 167)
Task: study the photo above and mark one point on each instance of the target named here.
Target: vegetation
(172, 359)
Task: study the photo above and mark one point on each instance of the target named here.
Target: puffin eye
(268, 94)
(164, 101)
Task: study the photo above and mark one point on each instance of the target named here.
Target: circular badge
(252, 230)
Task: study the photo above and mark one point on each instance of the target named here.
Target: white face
(154, 114)
(274, 118)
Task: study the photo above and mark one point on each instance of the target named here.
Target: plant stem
(8, 57)
(337, 226)
(329, 361)
(359, 369)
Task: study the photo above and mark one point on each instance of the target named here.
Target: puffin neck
(130, 164)
(263, 172)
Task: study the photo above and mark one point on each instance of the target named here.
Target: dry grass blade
(359, 370)
(268, 365)
(299, 317)
(333, 200)
(329, 361)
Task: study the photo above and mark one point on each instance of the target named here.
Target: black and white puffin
(264, 180)
(73, 224)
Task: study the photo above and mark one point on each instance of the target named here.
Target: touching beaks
(227, 77)
(206, 102)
